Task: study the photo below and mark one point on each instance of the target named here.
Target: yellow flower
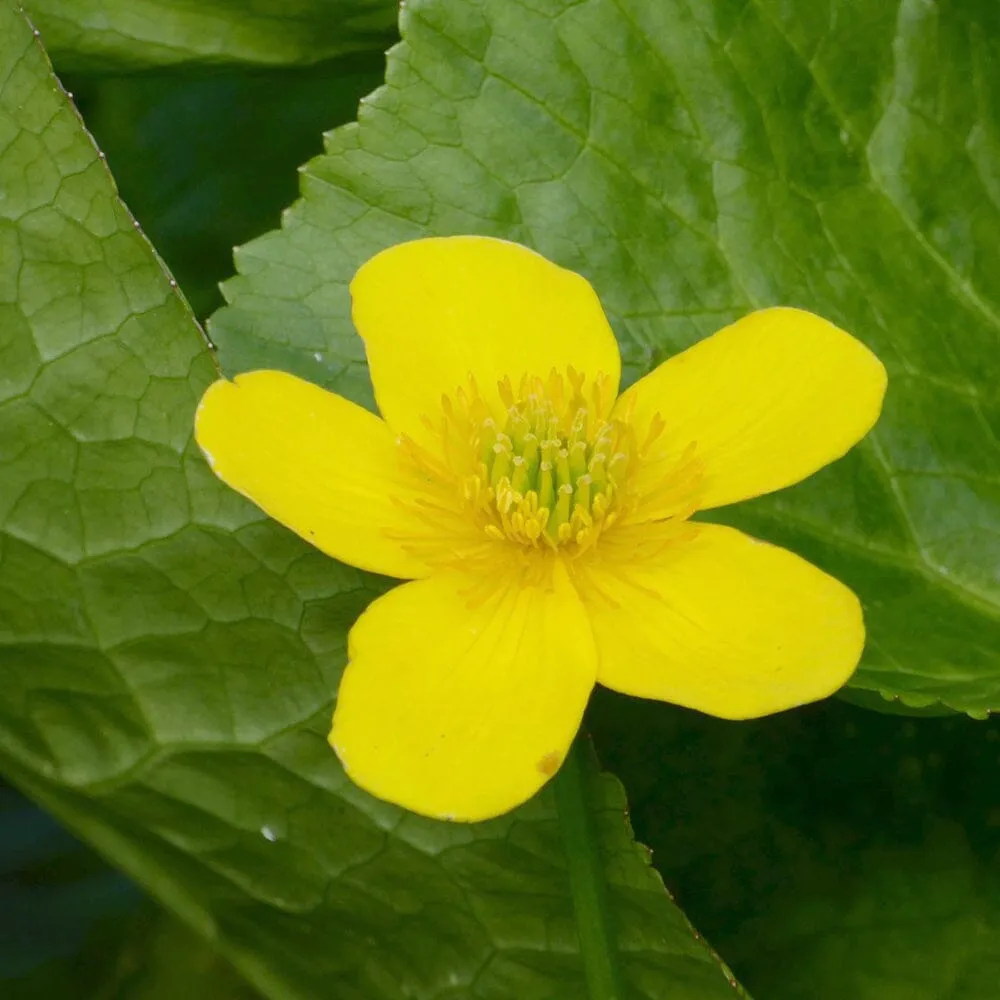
(544, 519)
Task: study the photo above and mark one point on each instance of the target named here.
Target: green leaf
(162, 960)
(102, 36)
(830, 853)
(200, 178)
(169, 657)
(935, 906)
(695, 159)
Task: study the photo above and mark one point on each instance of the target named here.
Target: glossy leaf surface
(694, 161)
(170, 656)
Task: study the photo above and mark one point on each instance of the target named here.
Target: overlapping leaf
(695, 159)
(209, 160)
(102, 36)
(830, 852)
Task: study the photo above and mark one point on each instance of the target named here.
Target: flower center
(551, 469)
(544, 468)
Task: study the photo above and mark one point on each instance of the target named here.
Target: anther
(552, 469)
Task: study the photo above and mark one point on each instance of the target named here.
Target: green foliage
(170, 656)
(245, 132)
(695, 160)
(827, 853)
(112, 35)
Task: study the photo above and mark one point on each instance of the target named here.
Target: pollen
(545, 469)
(544, 464)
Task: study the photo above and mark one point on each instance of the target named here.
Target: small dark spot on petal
(549, 764)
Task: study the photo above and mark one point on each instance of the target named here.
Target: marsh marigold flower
(544, 519)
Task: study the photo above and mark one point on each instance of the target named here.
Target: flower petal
(462, 709)
(723, 623)
(766, 402)
(435, 311)
(319, 464)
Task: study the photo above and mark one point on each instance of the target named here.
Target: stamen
(564, 476)
(550, 470)
(578, 459)
(564, 508)
(546, 486)
(501, 463)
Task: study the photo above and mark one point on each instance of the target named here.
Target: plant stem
(587, 877)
